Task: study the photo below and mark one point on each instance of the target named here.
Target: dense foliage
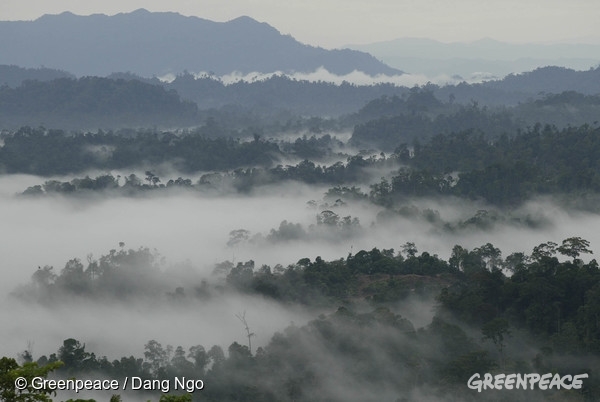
(93, 102)
(40, 151)
(535, 299)
(536, 312)
(502, 171)
(405, 125)
(56, 99)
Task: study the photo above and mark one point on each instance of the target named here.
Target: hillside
(149, 44)
(13, 76)
(480, 59)
(553, 95)
(92, 102)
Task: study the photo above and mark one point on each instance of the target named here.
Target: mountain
(550, 79)
(13, 76)
(127, 100)
(150, 44)
(93, 102)
(482, 59)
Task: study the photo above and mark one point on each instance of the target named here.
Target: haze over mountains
(481, 59)
(100, 45)
(288, 233)
(128, 47)
(38, 97)
(130, 42)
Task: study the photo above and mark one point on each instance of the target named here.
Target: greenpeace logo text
(525, 381)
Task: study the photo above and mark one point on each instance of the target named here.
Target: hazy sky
(333, 23)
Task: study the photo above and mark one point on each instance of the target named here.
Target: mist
(115, 329)
(301, 225)
(195, 227)
(191, 232)
(408, 79)
(194, 230)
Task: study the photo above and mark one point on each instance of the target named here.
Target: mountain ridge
(100, 45)
(48, 97)
(485, 57)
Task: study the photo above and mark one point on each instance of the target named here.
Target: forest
(286, 240)
(489, 309)
(501, 170)
(55, 98)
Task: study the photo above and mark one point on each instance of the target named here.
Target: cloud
(322, 75)
(192, 229)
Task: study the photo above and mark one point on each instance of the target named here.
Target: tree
(490, 255)
(328, 217)
(409, 249)
(200, 358)
(249, 335)
(238, 236)
(180, 365)
(544, 250)
(216, 355)
(574, 246)
(151, 178)
(73, 278)
(44, 276)
(241, 275)
(458, 256)
(515, 261)
(176, 398)
(496, 330)
(11, 374)
(157, 357)
(74, 356)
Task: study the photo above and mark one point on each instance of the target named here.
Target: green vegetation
(40, 151)
(10, 371)
(502, 171)
(380, 112)
(93, 102)
(487, 307)
(526, 312)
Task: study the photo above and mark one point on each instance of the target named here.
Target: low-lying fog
(355, 77)
(190, 227)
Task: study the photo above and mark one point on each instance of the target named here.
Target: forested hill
(551, 80)
(542, 161)
(318, 98)
(388, 122)
(281, 92)
(516, 88)
(541, 318)
(93, 102)
(53, 98)
(99, 45)
(13, 76)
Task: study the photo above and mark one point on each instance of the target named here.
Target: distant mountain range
(153, 44)
(36, 97)
(482, 59)
(13, 76)
(93, 102)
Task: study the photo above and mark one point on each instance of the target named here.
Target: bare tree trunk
(242, 318)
